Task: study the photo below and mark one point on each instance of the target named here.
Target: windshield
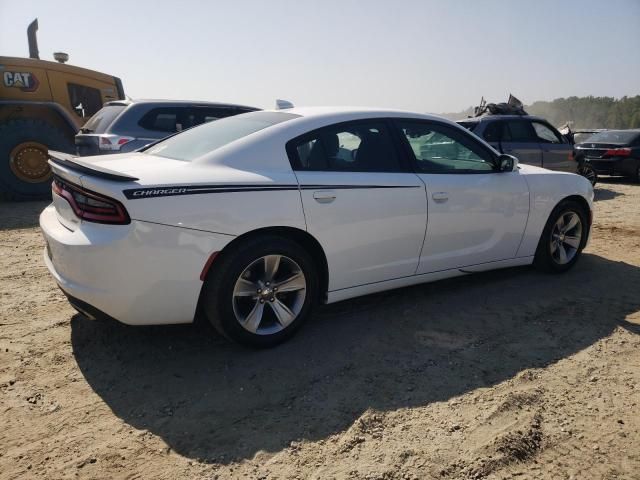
(198, 141)
(621, 137)
(102, 119)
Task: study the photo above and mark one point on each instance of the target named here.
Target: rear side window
(165, 119)
(101, 120)
(362, 146)
(201, 140)
(197, 115)
(85, 101)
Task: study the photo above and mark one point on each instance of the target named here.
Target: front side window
(496, 132)
(85, 101)
(545, 134)
(442, 149)
(521, 131)
(347, 147)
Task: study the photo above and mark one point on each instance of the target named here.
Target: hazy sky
(423, 55)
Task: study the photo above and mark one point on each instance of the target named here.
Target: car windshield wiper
(86, 130)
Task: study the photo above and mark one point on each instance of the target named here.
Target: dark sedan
(613, 152)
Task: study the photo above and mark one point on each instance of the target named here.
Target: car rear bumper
(138, 274)
(615, 165)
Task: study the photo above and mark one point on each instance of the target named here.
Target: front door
(360, 202)
(557, 153)
(477, 215)
(521, 141)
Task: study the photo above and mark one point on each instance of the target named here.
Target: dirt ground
(507, 374)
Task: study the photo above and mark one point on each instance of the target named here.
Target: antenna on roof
(283, 104)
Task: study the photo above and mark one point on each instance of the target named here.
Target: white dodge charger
(255, 218)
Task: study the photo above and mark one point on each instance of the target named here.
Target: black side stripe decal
(353, 187)
(138, 193)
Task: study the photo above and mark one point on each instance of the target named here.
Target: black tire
(636, 177)
(586, 170)
(544, 259)
(12, 134)
(217, 295)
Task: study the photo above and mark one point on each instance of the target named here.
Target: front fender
(547, 189)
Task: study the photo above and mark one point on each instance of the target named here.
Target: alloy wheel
(269, 294)
(566, 237)
(588, 172)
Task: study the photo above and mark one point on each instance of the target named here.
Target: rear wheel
(587, 171)
(563, 238)
(261, 292)
(24, 145)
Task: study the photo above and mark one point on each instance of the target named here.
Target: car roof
(500, 117)
(346, 112)
(168, 103)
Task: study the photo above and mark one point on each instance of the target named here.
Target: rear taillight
(113, 142)
(618, 152)
(91, 206)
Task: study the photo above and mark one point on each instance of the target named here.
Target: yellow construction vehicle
(42, 105)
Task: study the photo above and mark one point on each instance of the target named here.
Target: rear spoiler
(74, 163)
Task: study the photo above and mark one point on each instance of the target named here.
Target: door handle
(325, 196)
(440, 196)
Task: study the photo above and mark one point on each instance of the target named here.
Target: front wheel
(563, 238)
(261, 291)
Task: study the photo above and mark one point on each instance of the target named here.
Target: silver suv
(126, 125)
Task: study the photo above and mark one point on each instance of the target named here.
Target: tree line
(584, 112)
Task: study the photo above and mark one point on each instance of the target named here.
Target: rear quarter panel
(230, 213)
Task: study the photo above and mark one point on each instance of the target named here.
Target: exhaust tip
(32, 38)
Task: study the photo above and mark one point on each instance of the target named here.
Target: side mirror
(507, 163)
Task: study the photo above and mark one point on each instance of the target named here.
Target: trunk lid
(596, 150)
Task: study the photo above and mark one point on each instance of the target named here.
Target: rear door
(557, 153)
(360, 201)
(477, 215)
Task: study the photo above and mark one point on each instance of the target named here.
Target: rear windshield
(203, 139)
(621, 137)
(102, 119)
